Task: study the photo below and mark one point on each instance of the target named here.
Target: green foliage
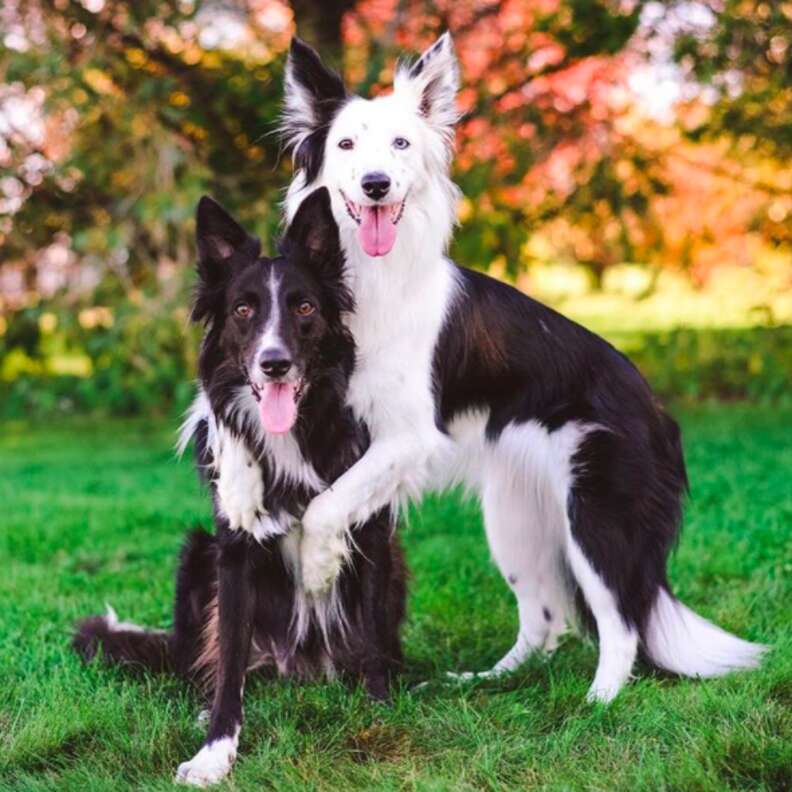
(750, 363)
(142, 361)
(94, 512)
(145, 361)
(748, 40)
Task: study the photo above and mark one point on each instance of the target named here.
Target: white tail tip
(682, 642)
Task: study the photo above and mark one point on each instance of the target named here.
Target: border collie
(463, 379)
(271, 420)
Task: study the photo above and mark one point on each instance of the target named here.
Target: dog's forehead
(281, 273)
(380, 114)
(254, 274)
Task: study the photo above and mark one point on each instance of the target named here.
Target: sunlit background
(628, 162)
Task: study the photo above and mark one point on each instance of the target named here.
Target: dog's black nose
(274, 366)
(375, 184)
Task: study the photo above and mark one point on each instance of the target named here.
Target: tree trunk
(319, 23)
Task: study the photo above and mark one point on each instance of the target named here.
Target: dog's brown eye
(401, 143)
(304, 308)
(243, 310)
(346, 144)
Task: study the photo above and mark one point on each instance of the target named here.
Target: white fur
(391, 390)
(199, 410)
(618, 642)
(683, 642)
(282, 450)
(114, 625)
(326, 609)
(391, 387)
(240, 489)
(523, 480)
(299, 118)
(211, 764)
(270, 338)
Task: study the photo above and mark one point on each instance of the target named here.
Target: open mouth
(376, 224)
(278, 403)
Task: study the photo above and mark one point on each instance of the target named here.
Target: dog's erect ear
(432, 82)
(221, 243)
(314, 229)
(313, 234)
(219, 237)
(312, 96)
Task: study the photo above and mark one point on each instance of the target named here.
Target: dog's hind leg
(618, 639)
(622, 519)
(524, 529)
(235, 602)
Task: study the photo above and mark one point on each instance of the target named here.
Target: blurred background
(628, 162)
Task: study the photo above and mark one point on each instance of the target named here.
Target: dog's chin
(278, 404)
(377, 225)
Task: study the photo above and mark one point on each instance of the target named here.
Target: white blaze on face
(277, 401)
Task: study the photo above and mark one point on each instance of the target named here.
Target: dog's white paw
(324, 548)
(600, 693)
(210, 765)
(322, 557)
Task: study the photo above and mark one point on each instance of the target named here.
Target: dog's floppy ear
(312, 96)
(221, 242)
(432, 83)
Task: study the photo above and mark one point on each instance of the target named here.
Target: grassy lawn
(94, 512)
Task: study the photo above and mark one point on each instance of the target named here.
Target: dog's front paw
(322, 558)
(324, 547)
(209, 766)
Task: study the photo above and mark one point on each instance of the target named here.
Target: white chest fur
(401, 310)
(240, 485)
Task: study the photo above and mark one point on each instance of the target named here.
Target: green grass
(95, 512)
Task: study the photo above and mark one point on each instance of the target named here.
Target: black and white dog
(271, 421)
(462, 379)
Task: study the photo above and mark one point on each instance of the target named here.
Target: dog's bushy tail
(138, 648)
(679, 640)
(123, 643)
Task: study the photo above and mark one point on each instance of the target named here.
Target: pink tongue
(278, 406)
(377, 231)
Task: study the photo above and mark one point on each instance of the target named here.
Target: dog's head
(272, 321)
(378, 157)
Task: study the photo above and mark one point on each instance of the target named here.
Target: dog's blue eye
(346, 144)
(243, 310)
(401, 143)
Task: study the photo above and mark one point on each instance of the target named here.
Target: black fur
(327, 95)
(504, 351)
(235, 595)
